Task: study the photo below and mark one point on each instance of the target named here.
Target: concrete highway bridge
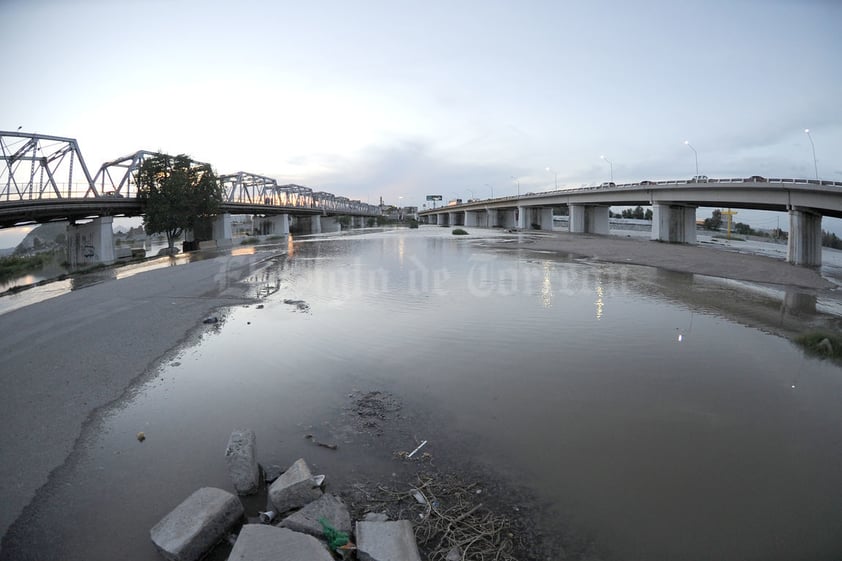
(44, 179)
(673, 202)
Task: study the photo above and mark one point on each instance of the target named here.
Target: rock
(294, 488)
(376, 517)
(212, 319)
(272, 472)
(268, 543)
(386, 541)
(242, 461)
(453, 555)
(328, 507)
(193, 527)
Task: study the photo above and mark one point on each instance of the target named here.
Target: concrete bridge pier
(520, 218)
(91, 243)
(477, 219)
(456, 218)
(588, 219)
(492, 218)
(277, 225)
(329, 224)
(540, 216)
(222, 231)
(673, 223)
(804, 246)
(358, 222)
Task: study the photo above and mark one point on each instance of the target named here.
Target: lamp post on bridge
(518, 185)
(813, 146)
(611, 167)
(696, 154)
(492, 189)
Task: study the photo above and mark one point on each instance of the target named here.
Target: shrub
(459, 232)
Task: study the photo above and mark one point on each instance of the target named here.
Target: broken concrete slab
(268, 543)
(328, 507)
(241, 456)
(272, 472)
(375, 517)
(386, 541)
(294, 488)
(194, 526)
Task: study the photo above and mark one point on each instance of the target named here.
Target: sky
(402, 99)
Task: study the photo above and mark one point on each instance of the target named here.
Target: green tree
(177, 192)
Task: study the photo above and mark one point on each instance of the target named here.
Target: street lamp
(690, 146)
(518, 185)
(492, 189)
(815, 165)
(556, 178)
(611, 167)
(471, 192)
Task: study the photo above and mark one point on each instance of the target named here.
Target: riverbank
(66, 357)
(696, 259)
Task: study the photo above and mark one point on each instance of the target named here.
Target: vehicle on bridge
(699, 179)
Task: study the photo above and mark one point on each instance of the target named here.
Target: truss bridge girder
(39, 166)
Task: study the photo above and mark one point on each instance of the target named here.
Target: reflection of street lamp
(696, 154)
(492, 189)
(556, 178)
(611, 167)
(518, 185)
(815, 165)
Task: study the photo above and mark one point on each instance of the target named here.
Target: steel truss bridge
(44, 178)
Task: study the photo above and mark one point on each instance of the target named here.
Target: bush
(459, 232)
(813, 343)
(536, 226)
(249, 241)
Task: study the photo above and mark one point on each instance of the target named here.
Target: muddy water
(662, 415)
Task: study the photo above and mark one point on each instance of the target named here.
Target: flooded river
(664, 416)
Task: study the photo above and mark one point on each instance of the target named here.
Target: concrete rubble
(268, 543)
(329, 507)
(294, 488)
(386, 541)
(208, 516)
(241, 457)
(197, 524)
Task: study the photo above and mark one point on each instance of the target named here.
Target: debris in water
(141, 437)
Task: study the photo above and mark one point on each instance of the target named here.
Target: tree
(743, 229)
(177, 192)
(715, 221)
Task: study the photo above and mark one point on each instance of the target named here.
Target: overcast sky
(402, 99)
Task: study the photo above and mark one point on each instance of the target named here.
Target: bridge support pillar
(520, 217)
(804, 246)
(277, 225)
(541, 217)
(91, 243)
(673, 223)
(588, 219)
(492, 218)
(330, 224)
(477, 219)
(221, 230)
(456, 218)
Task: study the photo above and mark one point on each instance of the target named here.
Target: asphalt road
(67, 357)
